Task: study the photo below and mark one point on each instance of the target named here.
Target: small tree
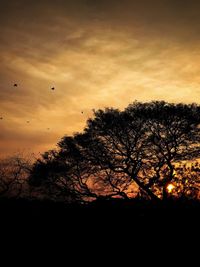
(186, 180)
(14, 174)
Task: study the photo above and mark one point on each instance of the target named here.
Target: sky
(97, 54)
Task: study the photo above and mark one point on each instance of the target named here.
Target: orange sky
(96, 54)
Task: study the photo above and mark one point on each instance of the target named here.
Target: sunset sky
(96, 53)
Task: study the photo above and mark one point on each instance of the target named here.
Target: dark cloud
(49, 26)
(155, 13)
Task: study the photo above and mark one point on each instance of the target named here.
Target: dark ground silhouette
(102, 229)
(113, 212)
(85, 185)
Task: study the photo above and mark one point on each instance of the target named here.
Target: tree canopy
(137, 151)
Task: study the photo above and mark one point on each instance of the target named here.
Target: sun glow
(170, 188)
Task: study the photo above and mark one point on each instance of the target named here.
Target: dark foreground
(117, 212)
(130, 227)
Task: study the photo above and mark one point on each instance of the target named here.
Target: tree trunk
(146, 189)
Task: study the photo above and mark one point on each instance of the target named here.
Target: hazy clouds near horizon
(96, 54)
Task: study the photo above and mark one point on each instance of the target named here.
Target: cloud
(96, 54)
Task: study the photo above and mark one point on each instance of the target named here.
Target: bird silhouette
(15, 84)
(82, 112)
(52, 88)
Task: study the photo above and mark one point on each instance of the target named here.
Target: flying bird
(52, 88)
(15, 84)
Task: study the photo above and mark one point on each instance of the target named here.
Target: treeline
(147, 151)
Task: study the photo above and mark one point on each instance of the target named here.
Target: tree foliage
(120, 151)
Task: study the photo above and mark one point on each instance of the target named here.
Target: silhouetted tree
(14, 174)
(114, 141)
(173, 135)
(63, 174)
(118, 150)
(186, 181)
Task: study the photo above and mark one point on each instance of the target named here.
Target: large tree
(118, 150)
